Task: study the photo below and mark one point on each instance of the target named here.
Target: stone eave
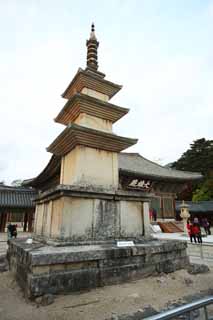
(155, 177)
(92, 81)
(74, 135)
(92, 192)
(82, 103)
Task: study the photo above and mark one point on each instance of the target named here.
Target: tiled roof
(134, 163)
(200, 206)
(16, 197)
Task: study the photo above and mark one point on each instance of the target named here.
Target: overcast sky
(159, 50)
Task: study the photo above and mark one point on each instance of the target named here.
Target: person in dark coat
(206, 226)
(154, 214)
(9, 231)
(14, 231)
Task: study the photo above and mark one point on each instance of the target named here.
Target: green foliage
(199, 158)
(204, 191)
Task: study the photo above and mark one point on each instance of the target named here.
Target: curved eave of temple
(133, 164)
(154, 177)
(47, 177)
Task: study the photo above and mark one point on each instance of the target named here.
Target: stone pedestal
(41, 269)
(73, 214)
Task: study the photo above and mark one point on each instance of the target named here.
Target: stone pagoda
(89, 231)
(88, 204)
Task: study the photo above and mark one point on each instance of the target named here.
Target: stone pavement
(197, 253)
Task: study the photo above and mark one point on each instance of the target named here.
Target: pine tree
(199, 158)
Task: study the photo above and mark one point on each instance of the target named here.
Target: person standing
(154, 214)
(197, 232)
(14, 231)
(191, 234)
(150, 214)
(206, 226)
(9, 231)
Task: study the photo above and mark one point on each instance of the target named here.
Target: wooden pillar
(25, 221)
(3, 221)
(162, 207)
(30, 221)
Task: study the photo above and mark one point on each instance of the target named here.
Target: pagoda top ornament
(92, 50)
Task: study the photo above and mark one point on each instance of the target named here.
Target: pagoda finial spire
(92, 50)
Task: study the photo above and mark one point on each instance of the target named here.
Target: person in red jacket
(197, 232)
(191, 231)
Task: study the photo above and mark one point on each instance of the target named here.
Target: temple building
(92, 223)
(17, 207)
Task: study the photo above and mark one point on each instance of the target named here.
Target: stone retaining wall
(41, 269)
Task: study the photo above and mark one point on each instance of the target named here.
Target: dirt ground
(101, 303)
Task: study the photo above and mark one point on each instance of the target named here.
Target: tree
(16, 183)
(199, 158)
(205, 190)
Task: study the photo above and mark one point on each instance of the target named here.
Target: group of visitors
(194, 229)
(12, 230)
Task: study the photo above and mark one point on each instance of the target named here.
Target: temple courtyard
(109, 302)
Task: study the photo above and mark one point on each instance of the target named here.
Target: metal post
(205, 312)
(201, 251)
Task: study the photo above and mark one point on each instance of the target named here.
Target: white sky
(159, 50)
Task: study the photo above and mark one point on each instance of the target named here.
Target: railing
(188, 311)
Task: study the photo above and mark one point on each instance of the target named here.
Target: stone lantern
(185, 215)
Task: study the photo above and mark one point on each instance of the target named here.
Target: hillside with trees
(198, 158)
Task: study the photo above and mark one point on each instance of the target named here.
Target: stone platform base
(41, 269)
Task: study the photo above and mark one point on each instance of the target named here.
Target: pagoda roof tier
(82, 103)
(92, 80)
(75, 135)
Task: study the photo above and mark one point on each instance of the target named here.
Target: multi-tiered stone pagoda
(84, 213)
(87, 204)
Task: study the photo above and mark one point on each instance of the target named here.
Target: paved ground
(197, 253)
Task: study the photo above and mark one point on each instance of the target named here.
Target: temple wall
(82, 219)
(93, 122)
(89, 166)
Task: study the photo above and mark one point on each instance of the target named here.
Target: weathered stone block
(42, 269)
